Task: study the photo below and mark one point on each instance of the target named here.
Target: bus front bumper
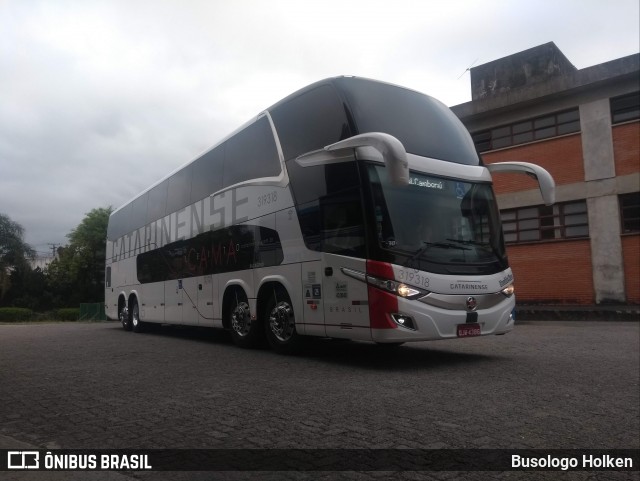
(440, 317)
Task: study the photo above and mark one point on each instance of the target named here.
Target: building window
(540, 223)
(522, 132)
(625, 108)
(630, 212)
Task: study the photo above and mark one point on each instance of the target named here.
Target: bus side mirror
(391, 149)
(545, 181)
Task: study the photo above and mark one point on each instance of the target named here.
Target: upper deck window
(251, 154)
(425, 126)
(310, 121)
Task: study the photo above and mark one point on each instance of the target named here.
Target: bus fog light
(509, 290)
(404, 321)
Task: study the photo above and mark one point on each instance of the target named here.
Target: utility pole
(54, 249)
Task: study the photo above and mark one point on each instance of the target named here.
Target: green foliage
(67, 314)
(74, 277)
(15, 314)
(77, 274)
(14, 252)
(29, 289)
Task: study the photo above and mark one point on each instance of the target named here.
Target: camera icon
(23, 460)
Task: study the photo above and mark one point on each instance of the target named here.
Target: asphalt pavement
(546, 385)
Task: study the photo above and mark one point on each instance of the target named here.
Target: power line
(468, 68)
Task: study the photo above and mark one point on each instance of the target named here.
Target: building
(41, 261)
(583, 126)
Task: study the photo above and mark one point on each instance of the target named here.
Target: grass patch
(20, 314)
(15, 314)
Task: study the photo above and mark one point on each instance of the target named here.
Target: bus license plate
(468, 330)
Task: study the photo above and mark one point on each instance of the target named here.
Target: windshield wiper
(428, 245)
(493, 249)
(446, 245)
(416, 254)
(470, 242)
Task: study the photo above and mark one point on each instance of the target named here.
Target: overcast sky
(100, 99)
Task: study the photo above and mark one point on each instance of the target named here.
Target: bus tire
(280, 323)
(245, 331)
(123, 316)
(136, 324)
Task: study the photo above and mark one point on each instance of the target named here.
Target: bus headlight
(394, 287)
(509, 290)
(397, 288)
(404, 290)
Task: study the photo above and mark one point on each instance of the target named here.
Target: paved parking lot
(545, 385)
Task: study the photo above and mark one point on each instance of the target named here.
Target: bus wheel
(136, 324)
(123, 316)
(281, 323)
(245, 331)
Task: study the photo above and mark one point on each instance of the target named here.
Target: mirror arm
(392, 150)
(545, 180)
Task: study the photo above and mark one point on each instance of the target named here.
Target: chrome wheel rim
(282, 322)
(136, 316)
(124, 316)
(241, 319)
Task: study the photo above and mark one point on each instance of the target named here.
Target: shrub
(68, 314)
(15, 314)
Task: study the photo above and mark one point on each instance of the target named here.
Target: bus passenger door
(346, 306)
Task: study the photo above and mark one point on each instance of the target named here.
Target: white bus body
(351, 209)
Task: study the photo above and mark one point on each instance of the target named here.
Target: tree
(14, 252)
(78, 272)
(29, 289)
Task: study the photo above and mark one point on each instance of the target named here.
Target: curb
(578, 313)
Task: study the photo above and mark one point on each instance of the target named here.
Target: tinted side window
(334, 223)
(310, 121)
(207, 174)
(112, 227)
(329, 207)
(157, 202)
(251, 154)
(179, 193)
(139, 212)
(119, 223)
(311, 183)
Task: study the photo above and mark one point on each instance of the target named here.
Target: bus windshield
(438, 224)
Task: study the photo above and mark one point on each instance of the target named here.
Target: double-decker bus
(350, 209)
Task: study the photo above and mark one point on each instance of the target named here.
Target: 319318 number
(414, 278)
(268, 198)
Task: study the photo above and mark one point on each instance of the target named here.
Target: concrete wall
(604, 213)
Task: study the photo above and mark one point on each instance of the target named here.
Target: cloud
(103, 98)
